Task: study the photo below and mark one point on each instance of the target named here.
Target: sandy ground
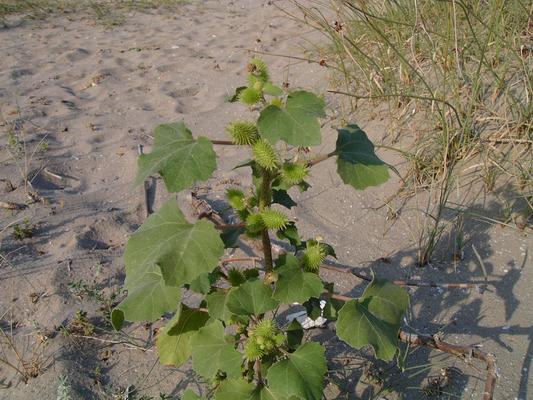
(94, 94)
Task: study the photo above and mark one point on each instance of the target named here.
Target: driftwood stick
(204, 210)
(417, 283)
(465, 352)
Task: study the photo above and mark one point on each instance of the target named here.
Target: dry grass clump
(456, 78)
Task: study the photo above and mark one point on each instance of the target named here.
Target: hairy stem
(264, 202)
(223, 142)
(320, 158)
(258, 371)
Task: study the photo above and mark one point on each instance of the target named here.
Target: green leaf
(203, 283)
(250, 96)
(272, 90)
(177, 157)
(251, 298)
(236, 199)
(251, 273)
(235, 277)
(117, 318)
(301, 374)
(217, 305)
(374, 319)
(235, 97)
(290, 233)
(183, 251)
(148, 298)
(239, 389)
(296, 124)
(295, 334)
(211, 353)
(294, 285)
(174, 340)
(357, 163)
(236, 389)
(190, 395)
(282, 197)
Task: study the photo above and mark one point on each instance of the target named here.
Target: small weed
(81, 289)
(63, 389)
(459, 238)
(80, 325)
(22, 149)
(12, 354)
(106, 14)
(24, 231)
(14, 144)
(44, 146)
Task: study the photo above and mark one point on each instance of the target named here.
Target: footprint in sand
(77, 55)
(16, 74)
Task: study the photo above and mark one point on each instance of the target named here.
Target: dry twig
(465, 352)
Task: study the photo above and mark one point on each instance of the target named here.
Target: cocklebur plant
(233, 338)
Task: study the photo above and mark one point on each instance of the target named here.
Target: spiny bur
(274, 219)
(258, 71)
(243, 132)
(314, 255)
(265, 154)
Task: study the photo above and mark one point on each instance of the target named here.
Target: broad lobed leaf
(190, 395)
(300, 375)
(217, 304)
(183, 251)
(374, 319)
(357, 163)
(297, 123)
(148, 298)
(294, 285)
(239, 389)
(211, 352)
(177, 157)
(174, 340)
(251, 298)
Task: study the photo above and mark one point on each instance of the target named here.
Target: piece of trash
(305, 321)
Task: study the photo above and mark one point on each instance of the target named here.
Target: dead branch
(204, 210)
(465, 352)
(417, 283)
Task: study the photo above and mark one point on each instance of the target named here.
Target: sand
(94, 94)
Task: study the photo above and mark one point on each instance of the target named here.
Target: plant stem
(258, 371)
(320, 158)
(264, 202)
(223, 142)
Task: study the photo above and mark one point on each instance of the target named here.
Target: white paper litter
(306, 321)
